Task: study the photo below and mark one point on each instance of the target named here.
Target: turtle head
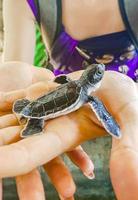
(92, 76)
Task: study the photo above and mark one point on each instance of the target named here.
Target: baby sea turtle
(66, 98)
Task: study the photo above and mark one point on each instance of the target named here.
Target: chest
(77, 18)
(87, 18)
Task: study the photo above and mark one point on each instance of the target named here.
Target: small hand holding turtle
(15, 77)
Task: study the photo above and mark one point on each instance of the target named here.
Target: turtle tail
(19, 105)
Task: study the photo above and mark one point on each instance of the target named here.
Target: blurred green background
(41, 56)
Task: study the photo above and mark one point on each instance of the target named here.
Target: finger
(38, 89)
(62, 198)
(34, 91)
(15, 75)
(75, 75)
(0, 189)
(25, 155)
(30, 186)
(5, 113)
(60, 177)
(31, 152)
(80, 158)
(42, 74)
(8, 120)
(7, 99)
(10, 135)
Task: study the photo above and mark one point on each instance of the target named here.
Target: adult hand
(19, 76)
(119, 94)
(77, 127)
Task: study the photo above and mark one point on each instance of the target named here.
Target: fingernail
(63, 198)
(89, 170)
(90, 175)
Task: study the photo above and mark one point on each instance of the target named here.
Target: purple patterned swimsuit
(115, 50)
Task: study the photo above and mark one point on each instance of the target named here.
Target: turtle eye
(100, 69)
(99, 72)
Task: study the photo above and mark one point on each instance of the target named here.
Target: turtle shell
(62, 98)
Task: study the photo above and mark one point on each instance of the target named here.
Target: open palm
(118, 93)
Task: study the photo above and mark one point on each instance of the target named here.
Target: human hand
(122, 93)
(19, 75)
(22, 76)
(64, 136)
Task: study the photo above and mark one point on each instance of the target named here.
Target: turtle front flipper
(104, 117)
(19, 105)
(33, 127)
(61, 79)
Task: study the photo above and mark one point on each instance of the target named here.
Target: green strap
(51, 19)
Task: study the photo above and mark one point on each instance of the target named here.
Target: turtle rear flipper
(104, 117)
(33, 127)
(19, 105)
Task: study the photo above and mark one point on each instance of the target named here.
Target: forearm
(19, 31)
(137, 87)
